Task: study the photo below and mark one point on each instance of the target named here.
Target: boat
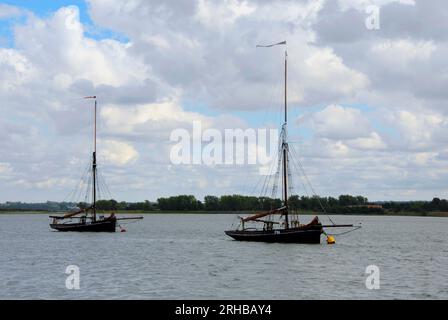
(279, 225)
(87, 219)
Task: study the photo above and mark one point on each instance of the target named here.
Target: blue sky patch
(44, 9)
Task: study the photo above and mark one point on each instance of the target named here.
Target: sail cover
(72, 214)
(264, 214)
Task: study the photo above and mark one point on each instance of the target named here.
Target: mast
(285, 146)
(284, 136)
(94, 163)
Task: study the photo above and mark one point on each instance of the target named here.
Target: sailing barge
(88, 219)
(285, 229)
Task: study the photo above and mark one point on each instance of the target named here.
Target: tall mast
(285, 145)
(284, 134)
(286, 87)
(94, 163)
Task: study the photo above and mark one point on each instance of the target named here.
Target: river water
(173, 256)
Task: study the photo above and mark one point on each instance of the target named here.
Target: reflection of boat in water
(287, 228)
(87, 219)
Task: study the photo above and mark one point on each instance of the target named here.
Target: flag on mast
(271, 45)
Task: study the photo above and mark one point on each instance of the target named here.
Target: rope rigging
(300, 166)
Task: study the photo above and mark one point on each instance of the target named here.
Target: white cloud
(196, 60)
(8, 11)
(118, 153)
(372, 142)
(202, 51)
(340, 123)
(219, 14)
(15, 69)
(74, 56)
(400, 54)
(125, 120)
(327, 70)
(418, 131)
(362, 4)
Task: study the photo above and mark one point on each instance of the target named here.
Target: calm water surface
(189, 257)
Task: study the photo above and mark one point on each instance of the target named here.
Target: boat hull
(293, 235)
(97, 226)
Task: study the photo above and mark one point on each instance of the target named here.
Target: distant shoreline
(391, 214)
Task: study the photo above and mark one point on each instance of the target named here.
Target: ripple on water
(189, 257)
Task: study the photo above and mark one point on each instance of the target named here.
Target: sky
(368, 112)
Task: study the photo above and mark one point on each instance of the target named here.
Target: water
(189, 257)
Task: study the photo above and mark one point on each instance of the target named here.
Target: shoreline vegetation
(242, 205)
(126, 212)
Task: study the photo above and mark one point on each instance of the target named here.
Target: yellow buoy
(331, 240)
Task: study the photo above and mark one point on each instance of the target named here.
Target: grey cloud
(213, 63)
(421, 24)
(423, 21)
(336, 26)
(128, 94)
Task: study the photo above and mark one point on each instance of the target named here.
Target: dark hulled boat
(293, 235)
(87, 219)
(279, 225)
(107, 224)
(309, 233)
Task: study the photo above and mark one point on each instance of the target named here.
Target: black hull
(293, 235)
(97, 226)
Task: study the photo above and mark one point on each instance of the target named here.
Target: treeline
(436, 205)
(45, 206)
(342, 204)
(108, 205)
(213, 203)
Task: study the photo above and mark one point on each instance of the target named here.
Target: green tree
(211, 203)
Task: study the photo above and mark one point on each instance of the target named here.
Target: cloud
(420, 132)
(180, 62)
(372, 142)
(47, 131)
(5, 168)
(404, 55)
(201, 51)
(75, 56)
(8, 11)
(118, 153)
(340, 123)
(16, 69)
(220, 15)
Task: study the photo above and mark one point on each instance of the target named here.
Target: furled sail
(72, 214)
(264, 214)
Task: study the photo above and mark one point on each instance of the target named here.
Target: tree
(179, 203)
(211, 203)
(82, 205)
